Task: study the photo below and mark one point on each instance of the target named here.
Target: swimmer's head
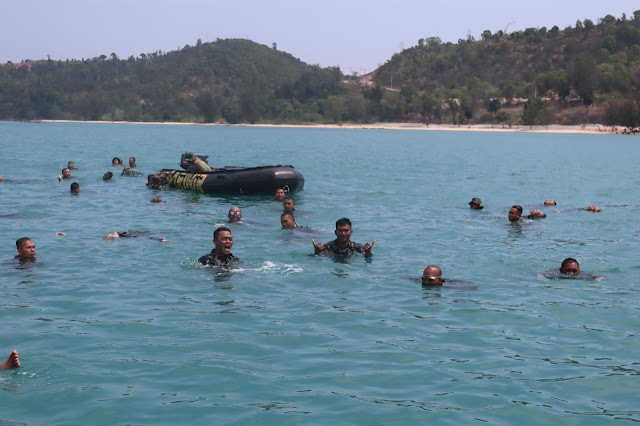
(112, 236)
(570, 266)
(107, 176)
(223, 241)
(1, 179)
(537, 214)
(132, 161)
(126, 169)
(279, 194)
(156, 200)
(235, 214)
(515, 213)
(75, 188)
(432, 275)
(116, 161)
(593, 209)
(71, 165)
(287, 221)
(476, 204)
(66, 173)
(289, 204)
(549, 203)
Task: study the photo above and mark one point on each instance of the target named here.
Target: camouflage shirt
(217, 260)
(334, 248)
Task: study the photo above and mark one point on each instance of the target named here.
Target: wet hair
(134, 159)
(114, 160)
(110, 174)
(75, 187)
(567, 261)
(517, 207)
(220, 229)
(66, 168)
(289, 198)
(287, 214)
(21, 241)
(343, 221)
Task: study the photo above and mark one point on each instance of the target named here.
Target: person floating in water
(26, 250)
(132, 161)
(592, 209)
(11, 362)
(116, 161)
(515, 214)
(75, 188)
(342, 245)
(549, 203)
(131, 234)
(476, 204)
(128, 172)
(569, 269)
(107, 176)
(536, 214)
(432, 276)
(288, 204)
(156, 200)
(66, 174)
(221, 253)
(235, 214)
(279, 196)
(288, 221)
(71, 165)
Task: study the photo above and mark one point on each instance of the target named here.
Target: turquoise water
(135, 331)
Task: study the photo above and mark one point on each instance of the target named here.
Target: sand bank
(555, 128)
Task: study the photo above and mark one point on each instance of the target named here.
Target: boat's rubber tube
(263, 180)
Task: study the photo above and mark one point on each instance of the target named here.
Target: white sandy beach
(554, 128)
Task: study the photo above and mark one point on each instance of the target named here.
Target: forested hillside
(581, 74)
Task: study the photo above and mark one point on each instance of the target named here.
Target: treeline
(239, 81)
(593, 63)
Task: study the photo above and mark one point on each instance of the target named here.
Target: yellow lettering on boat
(190, 181)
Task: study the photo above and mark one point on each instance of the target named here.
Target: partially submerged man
(71, 165)
(536, 214)
(569, 269)
(107, 176)
(342, 245)
(549, 203)
(475, 204)
(432, 276)
(26, 250)
(288, 204)
(221, 253)
(515, 213)
(11, 362)
(279, 196)
(132, 161)
(235, 214)
(128, 172)
(75, 188)
(288, 221)
(66, 174)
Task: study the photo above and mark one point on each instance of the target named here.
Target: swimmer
(235, 214)
(128, 172)
(132, 161)
(288, 221)
(75, 188)
(537, 214)
(26, 250)
(107, 176)
(342, 245)
(549, 203)
(569, 269)
(289, 204)
(279, 196)
(221, 253)
(476, 204)
(71, 165)
(156, 200)
(432, 276)
(11, 362)
(66, 174)
(116, 161)
(592, 209)
(515, 213)
(1, 179)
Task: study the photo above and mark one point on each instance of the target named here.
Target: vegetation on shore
(583, 74)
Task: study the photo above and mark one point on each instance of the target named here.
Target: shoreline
(554, 128)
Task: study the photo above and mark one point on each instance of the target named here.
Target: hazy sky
(356, 35)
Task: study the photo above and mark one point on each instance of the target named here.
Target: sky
(358, 36)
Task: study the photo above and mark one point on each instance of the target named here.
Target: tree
(502, 116)
(587, 97)
(493, 106)
(274, 45)
(530, 114)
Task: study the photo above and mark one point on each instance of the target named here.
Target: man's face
(235, 215)
(132, 161)
(106, 176)
(288, 222)
(593, 209)
(280, 194)
(288, 205)
(27, 250)
(66, 173)
(223, 243)
(343, 232)
(514, 214)
(571, 268)
(431, 276)
(549, 203)
(474, 206)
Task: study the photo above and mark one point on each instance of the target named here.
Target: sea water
(136, 331)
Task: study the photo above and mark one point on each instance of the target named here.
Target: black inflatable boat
(263, 180)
